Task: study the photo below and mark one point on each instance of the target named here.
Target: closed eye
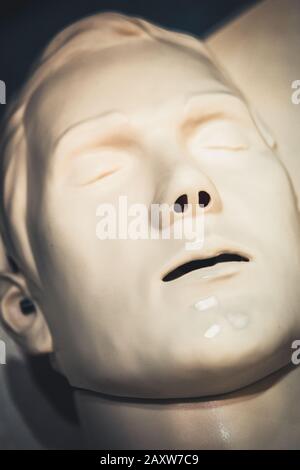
(100, 176)
(95, 166)
(234, 147)
(221, 135)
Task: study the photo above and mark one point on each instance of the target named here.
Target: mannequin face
(153, 121)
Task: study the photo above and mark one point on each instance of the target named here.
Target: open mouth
(203, 263)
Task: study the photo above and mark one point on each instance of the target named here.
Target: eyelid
(92, 166)
(100, 176)
(220, 135)
(235, 148)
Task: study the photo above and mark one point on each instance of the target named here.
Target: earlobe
(23, 318)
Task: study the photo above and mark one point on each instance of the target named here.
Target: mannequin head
(117, 106)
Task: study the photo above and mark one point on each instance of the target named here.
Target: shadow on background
(45, 401)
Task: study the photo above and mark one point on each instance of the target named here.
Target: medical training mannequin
(119, 107)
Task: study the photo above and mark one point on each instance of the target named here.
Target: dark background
(37, 393)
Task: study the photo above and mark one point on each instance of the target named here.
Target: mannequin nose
(188, 192)
(181, 203)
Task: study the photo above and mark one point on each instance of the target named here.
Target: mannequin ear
(20, 314)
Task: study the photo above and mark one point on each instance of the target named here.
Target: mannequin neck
(265, 415)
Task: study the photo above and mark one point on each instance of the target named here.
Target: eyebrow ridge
(112, 137)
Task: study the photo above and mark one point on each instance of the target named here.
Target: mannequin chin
(153, 109)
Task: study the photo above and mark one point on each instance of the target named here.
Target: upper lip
(192, 262)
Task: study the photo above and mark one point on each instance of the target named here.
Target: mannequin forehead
(145, 77)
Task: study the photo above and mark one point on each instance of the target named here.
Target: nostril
(180, 203)
(203, 198)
